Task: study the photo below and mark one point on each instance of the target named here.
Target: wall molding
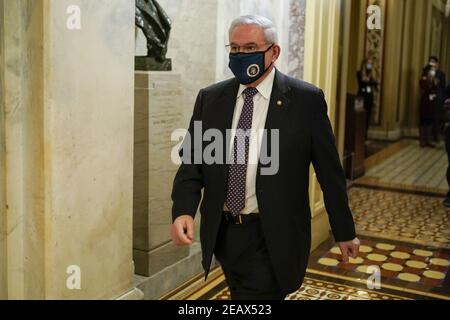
(393, 135)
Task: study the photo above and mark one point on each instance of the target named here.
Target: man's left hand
(349, 249)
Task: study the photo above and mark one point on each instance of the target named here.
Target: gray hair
(270, 31)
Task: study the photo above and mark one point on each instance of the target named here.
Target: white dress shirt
(260, 109)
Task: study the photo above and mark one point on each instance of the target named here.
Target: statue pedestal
(158, 112)
(150, 64)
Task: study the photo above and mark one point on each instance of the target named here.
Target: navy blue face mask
(248, 67)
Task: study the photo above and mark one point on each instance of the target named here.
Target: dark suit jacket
(306, 137)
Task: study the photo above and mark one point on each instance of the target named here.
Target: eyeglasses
(250, 48)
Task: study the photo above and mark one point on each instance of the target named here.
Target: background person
(428, 105)
(439, 104)
(367, 86)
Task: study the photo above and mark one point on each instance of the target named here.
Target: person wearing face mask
(367, 86)
(428, 106)
(440, 77)
(258, 223)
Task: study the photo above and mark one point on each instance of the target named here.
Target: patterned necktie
(237, 174)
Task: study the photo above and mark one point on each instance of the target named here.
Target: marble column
(409, 73)
(22, 104)
(3, 251)
(322, 41)
(415, 55)
(69, 140)
(389, 107)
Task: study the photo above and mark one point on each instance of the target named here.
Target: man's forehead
(248, 33)
(245, 43)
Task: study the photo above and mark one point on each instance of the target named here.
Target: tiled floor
(401, 216)
(315, 287)
(420, 270)
(403, 227)
(409, 168)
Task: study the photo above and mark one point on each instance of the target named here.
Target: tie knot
(250, 93)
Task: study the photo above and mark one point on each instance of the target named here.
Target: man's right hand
(182, 231)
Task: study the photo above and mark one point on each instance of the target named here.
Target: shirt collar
(264, 88)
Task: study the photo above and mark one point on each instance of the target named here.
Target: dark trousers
(242, 253)
(447, 147)
(436, 125)
(368, 106)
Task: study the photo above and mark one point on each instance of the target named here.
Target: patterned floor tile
(399, 216)
(424, 270)
(313, 289)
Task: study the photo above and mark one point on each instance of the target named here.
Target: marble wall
(24, 180)
(192, 46)
(297, 20)
(3, 251)
(90, 129)
(69, 140)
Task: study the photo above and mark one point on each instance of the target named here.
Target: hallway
(406, 166)
(94, 109)
(404, 231)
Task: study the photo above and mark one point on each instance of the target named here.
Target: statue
(156, 26)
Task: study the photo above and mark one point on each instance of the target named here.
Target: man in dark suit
(440, 77)
(256, 217)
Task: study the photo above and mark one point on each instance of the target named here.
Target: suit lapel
(278, 111)
(226, 104)
(279, 103)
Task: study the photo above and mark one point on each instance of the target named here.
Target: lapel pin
(280, 103)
